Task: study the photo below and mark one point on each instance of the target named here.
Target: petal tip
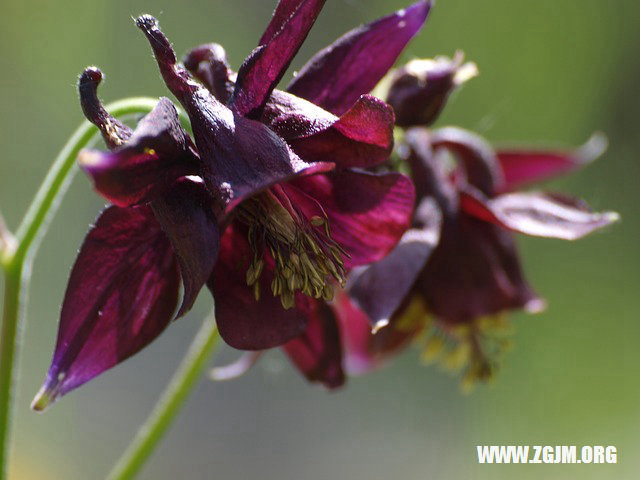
(535, 305)
(593, 148)
(45, 397)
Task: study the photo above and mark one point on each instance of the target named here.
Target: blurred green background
(552, 72)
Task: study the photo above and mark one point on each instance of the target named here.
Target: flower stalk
(168, 406)
(17, 252)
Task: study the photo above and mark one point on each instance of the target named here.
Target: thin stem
(172, 399)
(15, 259)
(8, 335)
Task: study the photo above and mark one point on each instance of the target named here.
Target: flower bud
(420, 89)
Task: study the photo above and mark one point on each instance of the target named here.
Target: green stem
(8, 334)
(165, 411)
(16, 254)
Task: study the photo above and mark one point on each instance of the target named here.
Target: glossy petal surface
(362, 137)
(152, 159)
(187, 218)
(367, 213)
(263, 69)
(240, 156)
(122, 293)
(538, 214)
(350, 67)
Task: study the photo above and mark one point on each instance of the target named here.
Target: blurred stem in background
(16, 255)
(169, 404)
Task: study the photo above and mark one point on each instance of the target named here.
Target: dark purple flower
(274, 183)
(285, 170)
(419, 90)
(124, 286)
(458, 290)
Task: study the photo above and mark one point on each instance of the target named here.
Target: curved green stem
(168, 406)
(16, 253)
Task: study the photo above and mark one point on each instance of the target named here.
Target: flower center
(304, 255)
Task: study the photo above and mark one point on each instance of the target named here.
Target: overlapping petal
(362, 137)
(367, 213)
(317, 353)
(474, 272)
(381, 288)
(475, 155)
(157, 153)
(538, 214)
(244, 322)
(240, 156)
(350, 67)
(122, 293)
(265, 67)
(186, 216)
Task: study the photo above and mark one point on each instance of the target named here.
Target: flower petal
(240, 156)
(362, 137)
(367, 213)
(538, 214)
(476, 156)
(208, 63)
(350, 67)
(363, 349)
(381, 288)
(122, 293)
(244, 322)
(114, 132)
(186, 216)
(158, 153)
(318, 352)
(522, 167)
(263, 69)
(420, 89)
(474, 272)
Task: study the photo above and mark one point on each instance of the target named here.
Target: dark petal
(362, 137)
(476, 156)
(208, 63)
(113, 131)
(245, 323)
(474, 272)
(122, 293)
(152, 159)
(381, 288)
(240, 156)
(186, 216)
(264, 68)
(538, 214)
(350, 67)
(367, 213)
(364, 350)
(522, 167)
(429, 174)
(318, 352)
(420, 89)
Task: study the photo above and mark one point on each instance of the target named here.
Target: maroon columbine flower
(124, 286)
(457, 270)
(283, 179)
